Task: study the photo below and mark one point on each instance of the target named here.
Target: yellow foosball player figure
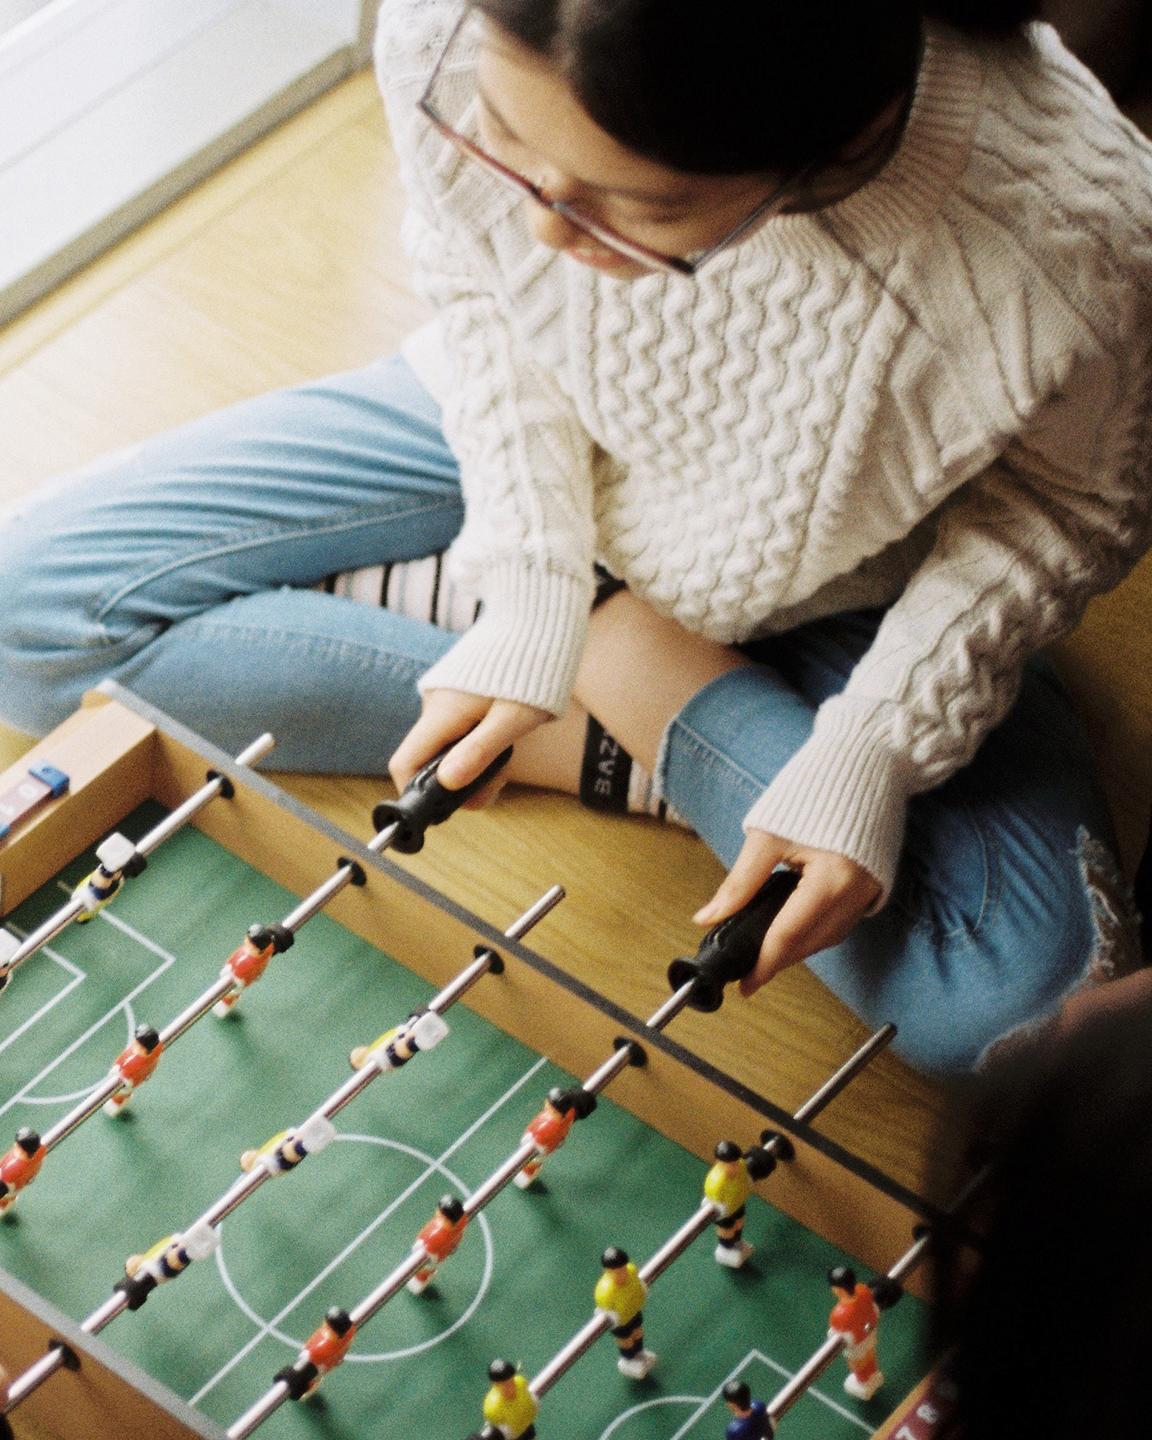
(422, 1031)
(166, 1260)
(621, 1294)
(286, 1150)
(728, 1185)
(509, 1406)
(118, 859)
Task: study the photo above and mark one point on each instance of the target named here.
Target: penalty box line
(368, 1230)
(78, 977)
(782, 1370)
(167, 959)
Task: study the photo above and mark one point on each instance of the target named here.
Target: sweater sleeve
(1019, 552)
(527, 542)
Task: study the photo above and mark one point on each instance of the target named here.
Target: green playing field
(326, 1234)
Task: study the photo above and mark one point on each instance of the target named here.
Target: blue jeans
(181, 569)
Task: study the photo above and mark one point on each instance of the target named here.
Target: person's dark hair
(1051, 1337)
(773, 88)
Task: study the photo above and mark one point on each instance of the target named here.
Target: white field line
(366, 1232)
(78, 976)
(124, 1004)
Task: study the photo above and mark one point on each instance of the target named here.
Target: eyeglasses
(434, 102)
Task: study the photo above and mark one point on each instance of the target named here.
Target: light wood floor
(284, 266)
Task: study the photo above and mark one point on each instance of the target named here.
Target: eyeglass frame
(611, 239)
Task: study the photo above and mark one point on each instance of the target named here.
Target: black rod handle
(426, 802)
(729, 950)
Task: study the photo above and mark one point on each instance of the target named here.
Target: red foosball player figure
(134, 1065)
(728, 1185)
(549, 1129)
(855, 1316)
(621, 1294)
(439, 1239)
(750, 1418)
(326, 1347)
(323, 1351)
(422, 1031)
(19, 1166)
(245, 966)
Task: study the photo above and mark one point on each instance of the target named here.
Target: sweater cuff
(844, 791)
(527, 643)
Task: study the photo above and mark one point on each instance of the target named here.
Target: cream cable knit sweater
(935, 395)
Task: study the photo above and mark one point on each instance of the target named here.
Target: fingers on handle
(447, 715)
(760, 855)
(505, 722)
(820, 912)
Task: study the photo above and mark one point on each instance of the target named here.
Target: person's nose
(547, 226)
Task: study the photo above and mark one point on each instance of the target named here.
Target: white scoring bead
(115, 852)
(428, 1030)
(200, 1241)
(315, 1134)
(8, 945)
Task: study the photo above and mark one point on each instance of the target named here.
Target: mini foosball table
(198, 981)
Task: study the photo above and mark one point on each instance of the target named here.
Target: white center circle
(432, 1166)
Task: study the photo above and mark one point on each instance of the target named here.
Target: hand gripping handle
(729, 950)
(426, 802)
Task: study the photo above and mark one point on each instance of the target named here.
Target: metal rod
(277, 1394)
(671, 1007)
(847, 1072)
(565, 1358)
(57, 1357)
(376, 1299)
(651, 1270)
(607, 1072)
(675, 1245)
(500, 1177)
(708, 1212)
(44, 933)
(255, 1416)
(104, 1314)
(315, 902)
(155, 837)
(805, 1377)
(383, 838)
(196, 1011)
(184, 812)
(535, 913)
(483, 962)
(33, 1378)
(81, 1112)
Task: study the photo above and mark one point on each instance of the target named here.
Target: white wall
(102, 102)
